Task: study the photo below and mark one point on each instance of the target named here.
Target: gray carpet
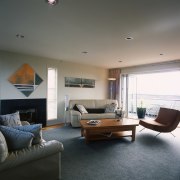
(147, 158)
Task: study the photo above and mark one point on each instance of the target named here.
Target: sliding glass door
(151, 91)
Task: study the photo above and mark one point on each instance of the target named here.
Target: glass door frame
(124, 96)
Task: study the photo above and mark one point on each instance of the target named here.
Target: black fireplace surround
(37, 106)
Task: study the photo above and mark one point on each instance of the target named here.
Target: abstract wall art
(25, 79)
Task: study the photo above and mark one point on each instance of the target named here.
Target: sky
(159, 83)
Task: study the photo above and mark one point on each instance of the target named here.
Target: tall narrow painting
(25, 79)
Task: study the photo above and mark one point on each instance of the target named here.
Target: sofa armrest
(74, 113)
(35, 152)
(41, 161)
(75, 117)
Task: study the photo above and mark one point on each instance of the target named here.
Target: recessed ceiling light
(84, 52)
(52, 2)
(19, 36)
(129, 38)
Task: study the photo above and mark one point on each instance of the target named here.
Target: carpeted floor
(148, 158)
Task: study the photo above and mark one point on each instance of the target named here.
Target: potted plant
(141, 112)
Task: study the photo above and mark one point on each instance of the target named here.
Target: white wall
(10, 62)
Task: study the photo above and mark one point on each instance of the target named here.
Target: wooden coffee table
(109, 129)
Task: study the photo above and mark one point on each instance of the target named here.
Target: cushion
(82, 109)
(76, 108)
(35, 129)
(3, 148)
(110, 108)
(10, 119)
(95, 110)
(16, 139)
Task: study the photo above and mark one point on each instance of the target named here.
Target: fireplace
(28, 115)
(31, 110)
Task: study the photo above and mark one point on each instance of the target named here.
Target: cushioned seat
(24, 154)
(102, 106)
(36, 152)
(166, 121)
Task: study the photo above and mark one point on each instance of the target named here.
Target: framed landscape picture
(88, 83)
(79, 82)
(72, 82)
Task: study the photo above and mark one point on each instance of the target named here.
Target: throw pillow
(35, 129)
(3, 148)
(10, 119)
(16, 139)
(76, 108)
(82, 109)
(110, 108)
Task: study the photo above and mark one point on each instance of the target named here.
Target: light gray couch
(40, 161)
(76, 116)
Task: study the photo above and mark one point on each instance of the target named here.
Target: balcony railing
(152, 103)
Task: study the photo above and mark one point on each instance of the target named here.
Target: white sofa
(76, 116)
(40, 161)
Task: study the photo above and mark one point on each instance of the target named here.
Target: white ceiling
(99, 27)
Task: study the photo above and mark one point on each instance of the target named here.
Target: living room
(44, 36)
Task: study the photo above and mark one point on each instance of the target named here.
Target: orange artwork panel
(25, 79)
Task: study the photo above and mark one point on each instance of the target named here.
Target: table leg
(133, 133)
(82, 130)
(86, 137)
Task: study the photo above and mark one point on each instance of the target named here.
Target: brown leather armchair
(166, 121)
